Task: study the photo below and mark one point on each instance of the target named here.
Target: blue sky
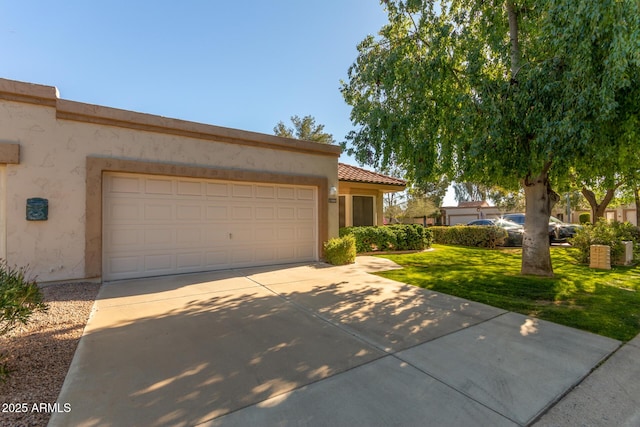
(244, 64)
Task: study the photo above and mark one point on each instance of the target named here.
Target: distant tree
(417, 207)
(304, 128)
(434, 190)
(470, 192)
(393, 206)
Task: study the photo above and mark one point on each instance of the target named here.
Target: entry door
(362, 210)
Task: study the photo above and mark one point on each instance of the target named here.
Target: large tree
(304, 128)
(509, 93)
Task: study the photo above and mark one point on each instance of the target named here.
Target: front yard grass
(605, 302)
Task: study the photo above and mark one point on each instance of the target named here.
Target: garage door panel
(122, 184)
(124, 238)
(242, 191)
(124, 265)
(124, 211)
(217, 190)
(305, 233)
(286, 193)
(217, 213)
(265, 191)
(242, 213)
(187, 261)
(264, 234)
(305, 194)
(304, 251)
(265, 213)
(217, 258)
(189, 213)
(305, 213)
(189, 237)
(158, 186)
(286, 213)
(166, 225)
(158, 237)
(154, 211)
(159, 263)
(189, 188)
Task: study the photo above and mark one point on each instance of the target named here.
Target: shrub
(340, 251)
(470, 235)
(605, 233)
(398, 237)
(584, 218)
(19, 299)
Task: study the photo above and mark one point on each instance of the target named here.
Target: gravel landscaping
(39, 354)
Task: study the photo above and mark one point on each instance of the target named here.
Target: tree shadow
(206, 356)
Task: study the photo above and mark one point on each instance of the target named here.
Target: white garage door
(157, 225)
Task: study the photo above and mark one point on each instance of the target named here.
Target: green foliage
(585, 218)
(398, 237)
(304, 128)
(340, 251)
(465, 235)
(606, 233)
(460, 90)
(19, 299)
(604, 302)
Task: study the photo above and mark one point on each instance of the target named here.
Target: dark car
(559, 231)
(515, 231)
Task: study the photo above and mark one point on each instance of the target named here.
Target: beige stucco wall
(57, 138)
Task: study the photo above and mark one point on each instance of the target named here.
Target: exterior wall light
(333, 194)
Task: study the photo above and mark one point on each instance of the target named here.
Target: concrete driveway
(314, 345)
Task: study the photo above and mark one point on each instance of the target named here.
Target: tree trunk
(598, 209)
(637, 194)
(540, 198)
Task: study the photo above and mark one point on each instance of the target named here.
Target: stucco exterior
(63, 147)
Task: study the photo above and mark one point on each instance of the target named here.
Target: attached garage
(157, 225)
(136, 195)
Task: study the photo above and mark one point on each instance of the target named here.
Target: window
(362, 210)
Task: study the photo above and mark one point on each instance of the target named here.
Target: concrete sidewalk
(610, 396)
(313, 345)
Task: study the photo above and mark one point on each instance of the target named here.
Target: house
(361, 193)
(468, 211)
(91, 192)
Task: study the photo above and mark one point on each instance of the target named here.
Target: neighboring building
(626, 213)
(360, 195)
(135, 195)
(468, 211)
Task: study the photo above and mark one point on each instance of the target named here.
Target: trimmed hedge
(584, 218)
(340, 251)
(470, 235)
(397, 237)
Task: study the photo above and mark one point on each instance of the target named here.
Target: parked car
(515, 231)
(559, 231)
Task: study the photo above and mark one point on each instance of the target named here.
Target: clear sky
(240, 64)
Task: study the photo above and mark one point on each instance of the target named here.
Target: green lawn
(602, 302)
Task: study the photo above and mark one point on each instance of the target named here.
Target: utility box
(600, 256)
(627, 256)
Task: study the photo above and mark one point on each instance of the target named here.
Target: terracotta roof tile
(475, 204)
(356, 174)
